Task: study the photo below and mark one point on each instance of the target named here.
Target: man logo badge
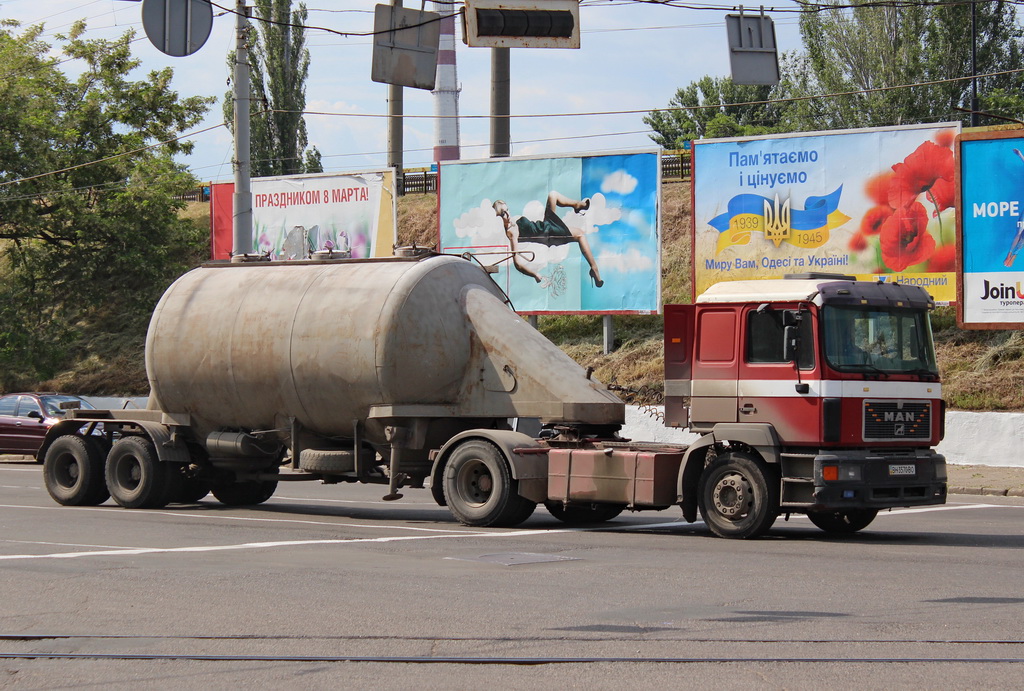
(899, 430)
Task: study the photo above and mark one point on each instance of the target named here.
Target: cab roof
(768, 290)
(823, 289)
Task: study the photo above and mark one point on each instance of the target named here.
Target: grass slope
(981, 370)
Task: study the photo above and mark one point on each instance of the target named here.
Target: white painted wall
(995, 439)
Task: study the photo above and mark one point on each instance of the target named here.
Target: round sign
(177, 27)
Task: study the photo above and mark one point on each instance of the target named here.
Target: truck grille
(889, 420)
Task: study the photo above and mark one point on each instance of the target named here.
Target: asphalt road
(329, 587)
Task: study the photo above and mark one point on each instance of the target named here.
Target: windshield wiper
(924, 372)
(864, 366)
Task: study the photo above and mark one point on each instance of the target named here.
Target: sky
(633, 57)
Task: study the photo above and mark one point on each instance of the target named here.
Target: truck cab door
(715, 366)
(772, 389)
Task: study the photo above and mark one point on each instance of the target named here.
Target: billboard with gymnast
(566, 234)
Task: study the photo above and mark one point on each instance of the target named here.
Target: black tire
(739, 497)
(843, 522)
(479, 487)
(192, 490)
(578, 515)
(136, 477)
(73, 471)
(328, 461)
(246, 493)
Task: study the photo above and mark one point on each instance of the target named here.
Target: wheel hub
(732, 495)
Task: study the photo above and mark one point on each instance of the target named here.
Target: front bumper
(878, 480)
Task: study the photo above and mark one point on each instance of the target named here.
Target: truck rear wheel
(73, 471)
(136, 477)
(737, 496)
(246, 493)
(575, 515)
(843, 522)
(479, 487)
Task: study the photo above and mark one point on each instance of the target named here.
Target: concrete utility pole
(501, 133)
(396, 145)
(242, 199)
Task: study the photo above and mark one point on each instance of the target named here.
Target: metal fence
(675, 166)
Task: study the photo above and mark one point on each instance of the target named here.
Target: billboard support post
(242, 200)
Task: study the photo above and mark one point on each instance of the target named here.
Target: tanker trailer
(377, 370)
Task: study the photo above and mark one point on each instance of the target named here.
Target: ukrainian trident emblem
(776, 221)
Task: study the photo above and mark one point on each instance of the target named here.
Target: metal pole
(242, 199)
(501, 138)
(608, 333)
(396, 108)
(974, 66)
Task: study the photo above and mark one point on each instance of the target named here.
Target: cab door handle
(748, 408)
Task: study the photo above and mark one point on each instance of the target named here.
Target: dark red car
(25, 417)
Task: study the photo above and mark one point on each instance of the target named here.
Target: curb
(985, 491)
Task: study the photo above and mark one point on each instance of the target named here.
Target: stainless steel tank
(253, 346)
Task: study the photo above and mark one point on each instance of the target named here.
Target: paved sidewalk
(985, 479)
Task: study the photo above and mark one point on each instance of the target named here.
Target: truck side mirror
(790, 342)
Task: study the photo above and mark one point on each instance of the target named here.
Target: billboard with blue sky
(567, 234)
(991, 172)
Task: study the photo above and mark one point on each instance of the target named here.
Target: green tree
(875, 47)
(705, 108)
(279, 66)
(89, 227)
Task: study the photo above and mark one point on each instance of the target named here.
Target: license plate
(895, 469)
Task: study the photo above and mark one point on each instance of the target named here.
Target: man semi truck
(816, 395)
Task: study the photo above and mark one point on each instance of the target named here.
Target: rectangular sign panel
(567, 234)
(296, 215)
(990, 166)
(874, 203)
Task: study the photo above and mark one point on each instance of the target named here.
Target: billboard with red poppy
(874, 203)
(991, 228)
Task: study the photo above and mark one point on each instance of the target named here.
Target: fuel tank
(255, 346)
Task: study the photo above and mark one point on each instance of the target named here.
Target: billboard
(990, 166)
(296, 215)
(566, 234)
(875, 203)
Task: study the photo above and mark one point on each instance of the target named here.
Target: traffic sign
(177, 27)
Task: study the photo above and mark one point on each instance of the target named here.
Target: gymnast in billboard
(550, 231)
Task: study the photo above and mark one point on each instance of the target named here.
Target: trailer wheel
(737, 496)
(843, 522)
(73, 471)
(479, 487)
(246, 493)
(577, 515)
(136, 477)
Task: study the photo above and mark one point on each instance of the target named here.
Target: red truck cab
(827, 384)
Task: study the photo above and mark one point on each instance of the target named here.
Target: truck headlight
(841, 473)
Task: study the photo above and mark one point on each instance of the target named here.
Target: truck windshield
(875, 339)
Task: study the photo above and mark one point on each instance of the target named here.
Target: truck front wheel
(737, 496)
(843, 522)
(73, 471)
(479, 487)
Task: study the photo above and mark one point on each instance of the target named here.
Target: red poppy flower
(942, 195)
(944, 137)
(874, 218)
(904, 238)
(944, 259)
(918, 173)
(877, 188)
(858, 243)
